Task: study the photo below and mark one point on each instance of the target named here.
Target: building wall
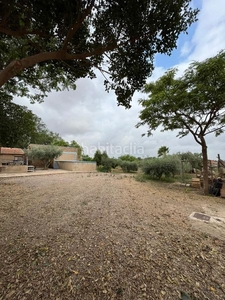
(13, 169)
(81, 166)
(4, 158)
(69, 153)
(67, 156)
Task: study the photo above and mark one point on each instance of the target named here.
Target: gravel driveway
(108, 236)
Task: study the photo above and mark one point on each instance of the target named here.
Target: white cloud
(186, 49)
(208, 38)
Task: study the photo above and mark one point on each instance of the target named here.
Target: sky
(91, 116)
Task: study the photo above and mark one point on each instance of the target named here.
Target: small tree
(46, 154)
(98, 157)
(194, 103)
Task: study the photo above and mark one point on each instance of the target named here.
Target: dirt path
(103, 236)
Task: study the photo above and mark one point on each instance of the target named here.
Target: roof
(12, 151)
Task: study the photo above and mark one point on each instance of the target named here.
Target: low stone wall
(79, 166)
(13, 169)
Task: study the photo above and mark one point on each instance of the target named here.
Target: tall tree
(48, 45)
(193, 103)
(98, 157)
(17, 124)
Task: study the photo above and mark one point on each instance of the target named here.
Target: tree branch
(17, 66)
(76, 25)
(19, 33)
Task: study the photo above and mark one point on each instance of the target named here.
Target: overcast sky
(91, 116)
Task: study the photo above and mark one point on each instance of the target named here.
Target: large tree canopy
(48, 45)
(193, 103)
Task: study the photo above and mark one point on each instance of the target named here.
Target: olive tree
(45, 153)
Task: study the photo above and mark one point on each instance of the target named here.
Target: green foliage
(17, 124)
(193, 103)
(60, 142)
(98, 157)
(106, 165)
(163, 151)
(50, 44)
(115, 162)
(46, 154)
(194, 159)
(86, 158)
(129, 166)
(19, 127)
(102, 169)
(127, 157)
(157, 167)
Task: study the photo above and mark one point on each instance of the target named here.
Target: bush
(106, 165)
(157, 167)
(128, 166)
(106, 169)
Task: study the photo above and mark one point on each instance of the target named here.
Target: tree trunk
(205, 167)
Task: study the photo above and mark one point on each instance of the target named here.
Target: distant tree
(195, 159)
(86, 157)
(104, 155)
(48, 45)
(60, 142)
(128, 157)
(17, 124)
(106, 164)
(193, 103)
(98, 157)
(44, 136)
(46, 154)
(163, 151)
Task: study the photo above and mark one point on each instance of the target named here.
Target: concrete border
(206, 218)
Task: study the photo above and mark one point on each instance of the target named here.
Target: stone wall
(79, 166)
(13, 169)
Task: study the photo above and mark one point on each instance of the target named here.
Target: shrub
(157, 167)
(129, 166)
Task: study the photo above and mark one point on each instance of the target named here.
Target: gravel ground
(104, 236)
